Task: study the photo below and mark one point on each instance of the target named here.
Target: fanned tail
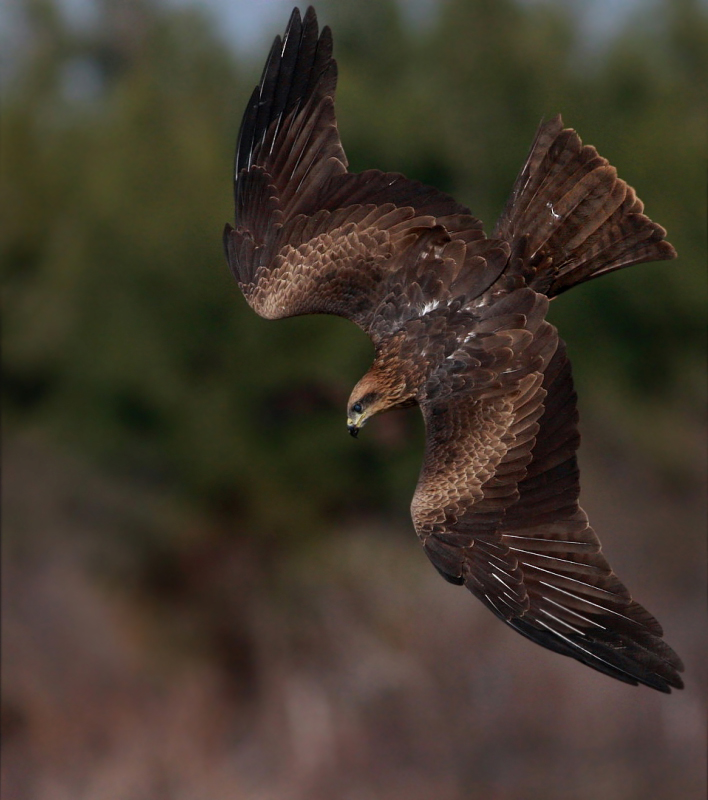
(570, 218)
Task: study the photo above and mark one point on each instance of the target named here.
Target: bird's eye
(357, 408)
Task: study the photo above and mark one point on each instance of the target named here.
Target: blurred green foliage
(125, 334)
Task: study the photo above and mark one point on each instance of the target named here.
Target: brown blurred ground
(359, 677)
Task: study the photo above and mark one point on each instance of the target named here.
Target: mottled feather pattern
(332, 273)
(579, 219)
(459, 329)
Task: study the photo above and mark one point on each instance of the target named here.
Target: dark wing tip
(298, 65)
(244, 143)
(295, 18)
(310, 15)
(625, 660)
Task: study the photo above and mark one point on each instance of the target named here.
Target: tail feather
(570, 218)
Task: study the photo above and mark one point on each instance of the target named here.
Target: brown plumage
(458, 323)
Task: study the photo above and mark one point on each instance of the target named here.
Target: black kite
(458, 323)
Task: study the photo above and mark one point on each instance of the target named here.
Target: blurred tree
(125, 334)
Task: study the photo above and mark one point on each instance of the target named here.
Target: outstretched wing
(310, 237)
(497, 501)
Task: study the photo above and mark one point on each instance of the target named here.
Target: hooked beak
(353, 429)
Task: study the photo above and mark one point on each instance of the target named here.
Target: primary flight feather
(458, 323)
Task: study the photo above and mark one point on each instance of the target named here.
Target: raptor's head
(379, 390)
(360, 408)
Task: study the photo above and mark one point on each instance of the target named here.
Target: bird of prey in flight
(459, 329)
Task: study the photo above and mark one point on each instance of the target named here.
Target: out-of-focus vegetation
(210, 475)
(124, 332)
